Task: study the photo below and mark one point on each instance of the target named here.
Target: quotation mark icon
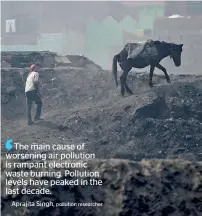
(9, 145)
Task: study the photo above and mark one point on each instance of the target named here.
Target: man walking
(32, 94)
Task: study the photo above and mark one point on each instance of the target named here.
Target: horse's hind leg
(124, 86)
(128, 89)
(165, 72)
(126, 67)
(151, 72)
(122, 78)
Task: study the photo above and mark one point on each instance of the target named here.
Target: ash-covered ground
(82, 104)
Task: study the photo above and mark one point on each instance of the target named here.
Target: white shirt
(31, 79)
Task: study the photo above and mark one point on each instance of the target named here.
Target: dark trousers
(30, 97)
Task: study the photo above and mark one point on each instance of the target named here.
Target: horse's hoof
(168, 81)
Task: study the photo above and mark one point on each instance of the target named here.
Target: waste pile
(44, 59)
(155, 187)
(82, 105)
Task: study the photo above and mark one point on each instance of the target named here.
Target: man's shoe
(30, 122)
(38, 119)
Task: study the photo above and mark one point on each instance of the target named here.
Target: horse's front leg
(151, 75)
(159, 66)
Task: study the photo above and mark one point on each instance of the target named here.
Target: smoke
(97, 30)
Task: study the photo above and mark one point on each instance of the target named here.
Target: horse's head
(175, 53)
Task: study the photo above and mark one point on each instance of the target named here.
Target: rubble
(25, 59)
(45, 59)
(154, 187)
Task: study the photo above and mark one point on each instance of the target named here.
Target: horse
(163, 50)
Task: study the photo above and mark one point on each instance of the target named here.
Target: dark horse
(164, 49)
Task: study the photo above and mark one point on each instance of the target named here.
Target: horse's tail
(114, 68)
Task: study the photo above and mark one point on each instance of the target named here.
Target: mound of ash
(45, 59)
(168, 127)
(25, 59)
(155, 187)
(82, 106)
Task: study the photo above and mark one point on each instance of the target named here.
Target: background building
(95, 29)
